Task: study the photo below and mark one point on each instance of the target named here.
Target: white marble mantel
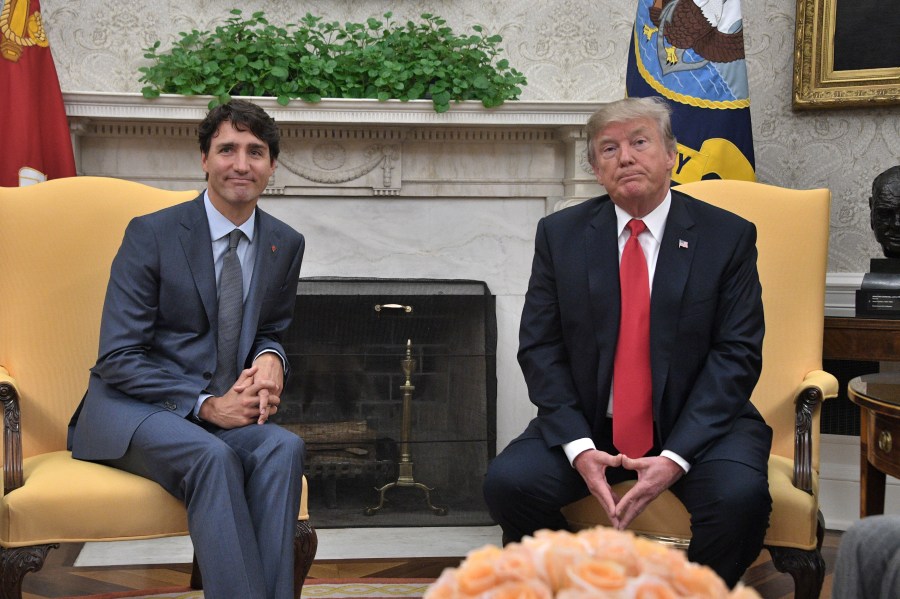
(381, 189)
(104, 106)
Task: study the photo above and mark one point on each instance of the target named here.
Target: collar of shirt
(655, 221)
(656, 226)
(219, 226)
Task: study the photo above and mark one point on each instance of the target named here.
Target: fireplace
(356, 346)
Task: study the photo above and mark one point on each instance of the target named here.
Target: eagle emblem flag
(34, 132)
(691, 52)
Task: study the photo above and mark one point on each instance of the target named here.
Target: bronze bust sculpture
(884, 206)
(879, 294)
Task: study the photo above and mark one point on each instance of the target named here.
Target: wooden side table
(878, 397)
(870, 339)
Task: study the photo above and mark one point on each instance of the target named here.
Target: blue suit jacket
(158, 330)
(706, 330)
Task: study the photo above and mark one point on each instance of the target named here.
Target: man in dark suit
(701, 352)
(159, 405)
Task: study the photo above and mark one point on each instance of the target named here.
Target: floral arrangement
(597, 562)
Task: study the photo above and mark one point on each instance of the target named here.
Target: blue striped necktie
(231, 312)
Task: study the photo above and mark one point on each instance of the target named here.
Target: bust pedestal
(879, 294)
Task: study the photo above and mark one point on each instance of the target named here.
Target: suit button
(207, 375)
(170, 405)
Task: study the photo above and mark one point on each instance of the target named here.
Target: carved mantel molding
(108, 107)
(348, 147)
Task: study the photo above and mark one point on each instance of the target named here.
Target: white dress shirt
(650, 242)
(219, 229)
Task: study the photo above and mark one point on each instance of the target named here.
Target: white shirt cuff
(576, 447)
(203, 397)
(677, 459)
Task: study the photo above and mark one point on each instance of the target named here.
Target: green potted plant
(317, 59)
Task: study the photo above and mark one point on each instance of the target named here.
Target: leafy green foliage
(317, 59)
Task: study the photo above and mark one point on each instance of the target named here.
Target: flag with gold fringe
(34, 133)
(691, 52)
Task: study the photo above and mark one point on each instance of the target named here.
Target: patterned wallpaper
(570, 50)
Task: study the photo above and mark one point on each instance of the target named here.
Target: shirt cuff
(203, 397)
(574, 448)
(677, 459)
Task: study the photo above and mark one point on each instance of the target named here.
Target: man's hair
(244, 116)
(628, 109)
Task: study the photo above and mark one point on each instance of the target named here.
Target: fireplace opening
(370, 355)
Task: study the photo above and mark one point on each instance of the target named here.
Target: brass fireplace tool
(405, 478)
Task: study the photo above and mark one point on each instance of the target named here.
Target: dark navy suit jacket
(706, 331)
(158, 331)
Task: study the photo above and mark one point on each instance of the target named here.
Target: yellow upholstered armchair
(792, 242)
(57, 241)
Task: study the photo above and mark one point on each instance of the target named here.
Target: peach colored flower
(476, 578)
(700, 582)
(663, 562)
(488, 553)
(515, 563)
(601, 562)
(520, 589)
(598, 575)
(444, 587)
(552, 561)
(742, 592)
(613, 545)
(651, 588)
(574, 593)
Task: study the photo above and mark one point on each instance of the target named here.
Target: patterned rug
(318, 588)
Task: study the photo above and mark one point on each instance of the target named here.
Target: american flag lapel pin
(682, 244)
(274, 248)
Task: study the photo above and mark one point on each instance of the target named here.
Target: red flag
(34, 133)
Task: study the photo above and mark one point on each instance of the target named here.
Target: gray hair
(628, 109)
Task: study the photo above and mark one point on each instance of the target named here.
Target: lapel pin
(273, 249)
(682, 244)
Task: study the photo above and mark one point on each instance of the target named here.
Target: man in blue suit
(153, 406)
(706, 442)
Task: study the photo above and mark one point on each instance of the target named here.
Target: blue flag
(693, 56)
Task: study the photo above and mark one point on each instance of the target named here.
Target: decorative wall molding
(349, 147)
(840, 293)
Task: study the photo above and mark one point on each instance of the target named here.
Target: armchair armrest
(12, 433)
(817, 386)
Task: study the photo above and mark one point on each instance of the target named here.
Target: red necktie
(632, 403)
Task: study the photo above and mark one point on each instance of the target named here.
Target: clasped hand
(655, 474)
(253, 398)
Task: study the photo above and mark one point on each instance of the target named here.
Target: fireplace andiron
(405, 478)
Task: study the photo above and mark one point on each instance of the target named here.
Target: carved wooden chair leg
(196, 577)
(306, 542)
(16, 562)
(807, 568)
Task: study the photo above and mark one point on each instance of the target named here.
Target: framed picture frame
(839, 61)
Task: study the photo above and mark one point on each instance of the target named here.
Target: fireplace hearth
(356, 347)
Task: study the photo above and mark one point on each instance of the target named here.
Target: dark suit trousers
(242, 491)
(528, 484)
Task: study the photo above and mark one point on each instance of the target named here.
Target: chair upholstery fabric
(792, 227)
(57, 241)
